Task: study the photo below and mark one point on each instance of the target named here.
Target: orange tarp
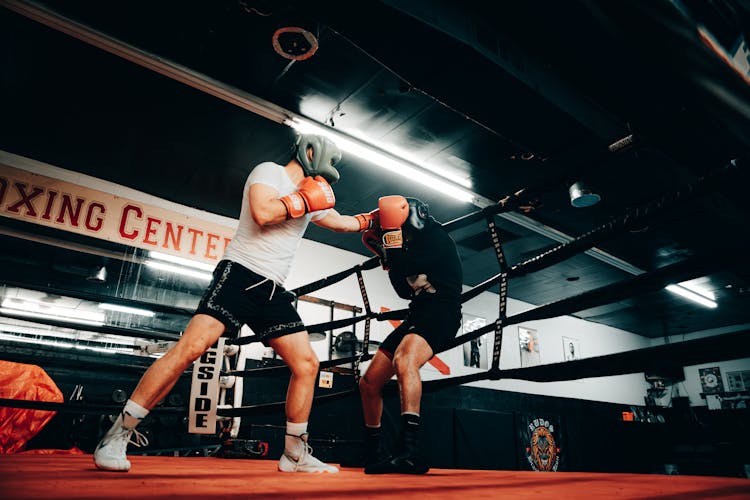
(28, 382)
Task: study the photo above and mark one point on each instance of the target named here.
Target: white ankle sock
(293, 446)
(132, 414)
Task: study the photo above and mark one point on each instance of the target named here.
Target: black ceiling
(509, 95)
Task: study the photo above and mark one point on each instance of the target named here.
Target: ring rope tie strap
(366, 339)
(503, 302)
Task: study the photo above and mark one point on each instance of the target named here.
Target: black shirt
(428, 269)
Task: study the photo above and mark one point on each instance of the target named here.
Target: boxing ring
(71, 475)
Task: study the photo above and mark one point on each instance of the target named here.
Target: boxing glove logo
(393, 239)
(327, 191)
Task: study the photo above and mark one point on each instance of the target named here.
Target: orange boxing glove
(314, 194)
(369, 220)
(394, 210)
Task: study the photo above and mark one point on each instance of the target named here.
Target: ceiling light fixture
(178, 270)
(181, 261)
(98, 276)
(126, 309)
(582, 196)
(684, 292)
(384, 159)
(34, 310)
(709, 294)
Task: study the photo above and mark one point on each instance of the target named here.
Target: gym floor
(25, 476)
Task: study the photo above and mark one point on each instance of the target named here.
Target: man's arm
(338, 222)
(265, 206)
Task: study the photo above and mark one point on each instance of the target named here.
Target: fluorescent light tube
(34, 310)
(178, 270)
(709, 294)
(684, 292)
(181, 261)
(126, 309)
(385, 161)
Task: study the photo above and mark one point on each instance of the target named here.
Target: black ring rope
(79, 407)
(651, 281)
(551, 257)
(574, 369)
(371, 263)
(654, 280)
(276, 405)
(323, 365)
(728, 346)
(316, 328)
(631, 218)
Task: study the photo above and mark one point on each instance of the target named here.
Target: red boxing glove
(314, 194)
(394, 210)
(368, 221)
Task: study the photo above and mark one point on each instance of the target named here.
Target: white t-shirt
(269, 250)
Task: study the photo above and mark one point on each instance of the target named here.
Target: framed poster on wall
(571, 348)
(475, 350)
(528, 342)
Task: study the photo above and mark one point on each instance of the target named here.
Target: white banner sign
(70, 207)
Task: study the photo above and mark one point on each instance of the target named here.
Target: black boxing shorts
(434, 322)
(238, 296)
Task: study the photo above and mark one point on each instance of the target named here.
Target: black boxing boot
(373, 450)
(406, 460)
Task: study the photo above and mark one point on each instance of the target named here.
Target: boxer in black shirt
(424, 267)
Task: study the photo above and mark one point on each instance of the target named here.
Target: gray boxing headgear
(325, 154)
(419, 215)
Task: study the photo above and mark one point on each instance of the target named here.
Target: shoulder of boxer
(266, 172)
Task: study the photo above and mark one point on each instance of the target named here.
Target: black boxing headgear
(325, 154)
(419, 215)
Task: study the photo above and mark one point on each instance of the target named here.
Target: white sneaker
(110, 452)
(306, 462)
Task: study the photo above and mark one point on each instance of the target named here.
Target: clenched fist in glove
(314, 194)
(368, 221)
